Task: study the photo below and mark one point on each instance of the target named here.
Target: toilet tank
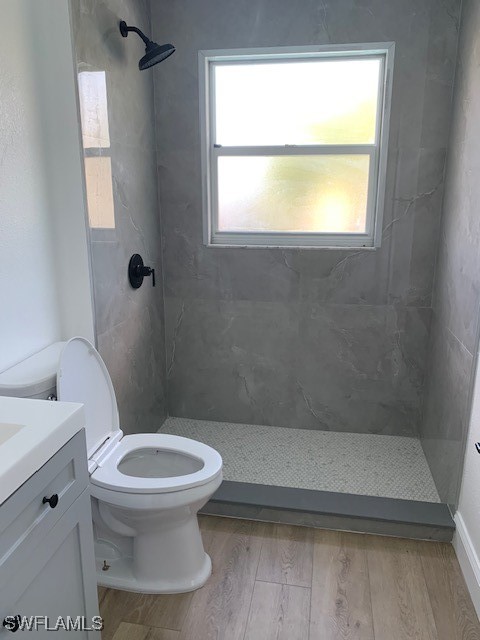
(34, 377)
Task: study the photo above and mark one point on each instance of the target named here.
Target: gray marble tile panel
(446, 409)
(400, 274)
(456, 299)
(313, 366)
(129, 323)
(99, 46)
(231, 358)
(361, 368)
(457, 294)
(134, 354)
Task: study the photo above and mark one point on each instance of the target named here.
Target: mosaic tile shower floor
(364, 464)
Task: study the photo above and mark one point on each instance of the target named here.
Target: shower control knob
(137, 271)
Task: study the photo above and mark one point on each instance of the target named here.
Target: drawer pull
(52, 501)
(12, 623)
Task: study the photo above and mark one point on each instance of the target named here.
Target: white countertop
(31, 432)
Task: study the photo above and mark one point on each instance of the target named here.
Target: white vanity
(47, 566)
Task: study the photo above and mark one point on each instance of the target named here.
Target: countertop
(33, 431)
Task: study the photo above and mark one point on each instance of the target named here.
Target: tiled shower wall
(322, 339)
(454, 339)
(129, 323)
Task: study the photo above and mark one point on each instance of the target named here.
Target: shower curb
(329, 510)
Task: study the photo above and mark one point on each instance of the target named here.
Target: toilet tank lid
(36, 374)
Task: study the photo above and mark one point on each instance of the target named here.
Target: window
(294, 145)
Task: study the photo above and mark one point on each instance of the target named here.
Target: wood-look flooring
(280, 582)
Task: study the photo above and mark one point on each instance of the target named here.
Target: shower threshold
(357, 482)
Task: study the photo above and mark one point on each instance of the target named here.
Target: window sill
(288, 246)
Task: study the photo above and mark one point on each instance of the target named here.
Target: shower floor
(363, 464)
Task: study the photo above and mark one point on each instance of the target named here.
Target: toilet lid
(83, 377)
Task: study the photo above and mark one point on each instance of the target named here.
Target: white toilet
(146, 488)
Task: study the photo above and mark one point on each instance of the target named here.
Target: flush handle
(52, 501)
(137, 271)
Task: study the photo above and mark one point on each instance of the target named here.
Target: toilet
(146, 488)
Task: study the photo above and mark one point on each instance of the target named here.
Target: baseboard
(468, 560)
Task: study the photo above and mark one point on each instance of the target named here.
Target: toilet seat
(83, 377)
(108, 475)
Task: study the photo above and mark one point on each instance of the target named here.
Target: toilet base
(151, 543)
(120, 576)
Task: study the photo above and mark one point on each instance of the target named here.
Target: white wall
(29, 314)
(43, 240)
(57, 99)
(467, 518)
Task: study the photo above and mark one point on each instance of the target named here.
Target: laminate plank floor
(280, 582)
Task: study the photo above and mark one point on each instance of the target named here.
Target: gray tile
(194, 271)
(99, 46)
(414, 226)
(129, 323)
(231, 360)
(447, 399)
(339, 504)
(353, 277)
(361, 368)
(456, 299)
(457, 291)
(313, 366)
(133, 352)
(349, 463)
(211, 377)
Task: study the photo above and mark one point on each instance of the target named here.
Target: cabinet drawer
(25, 518)
(56, 578)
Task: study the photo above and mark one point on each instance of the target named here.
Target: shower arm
(124, 30)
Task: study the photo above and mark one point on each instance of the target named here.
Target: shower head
(153, 52)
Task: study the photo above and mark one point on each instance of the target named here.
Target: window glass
(303, 102)
(306, 193)
(295, 144)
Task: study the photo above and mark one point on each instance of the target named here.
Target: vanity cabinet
(47, 565)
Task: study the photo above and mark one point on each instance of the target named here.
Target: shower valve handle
(148, 271)
(137, 271)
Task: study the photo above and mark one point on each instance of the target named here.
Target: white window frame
(211, 151)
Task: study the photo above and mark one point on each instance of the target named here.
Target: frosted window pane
(305, 102)
(325, 193)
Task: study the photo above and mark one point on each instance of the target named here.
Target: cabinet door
(57, 579)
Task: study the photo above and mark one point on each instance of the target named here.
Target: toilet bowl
(146, 488)
(149, 487)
